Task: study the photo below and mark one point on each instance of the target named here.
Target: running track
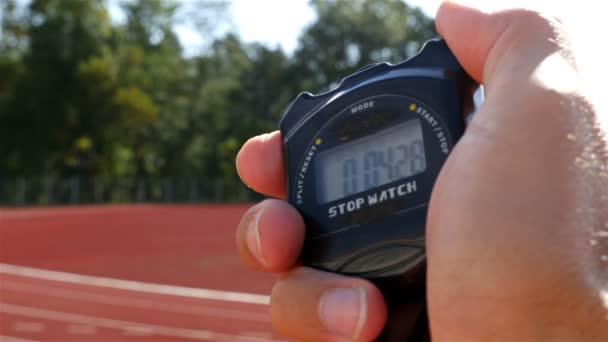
(128, 273)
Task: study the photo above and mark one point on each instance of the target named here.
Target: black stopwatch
(362, 160)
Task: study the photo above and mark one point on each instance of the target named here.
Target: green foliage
(136, 106)
(349, 34)
(81, 95)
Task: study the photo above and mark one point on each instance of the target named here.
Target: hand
(517, 234)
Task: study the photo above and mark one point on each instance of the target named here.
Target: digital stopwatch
(362, 160)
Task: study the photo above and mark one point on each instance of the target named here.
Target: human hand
(517, 233)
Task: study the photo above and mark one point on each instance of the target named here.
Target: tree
(243, 95)
(350, 34)
(83, 96)
(47, 113)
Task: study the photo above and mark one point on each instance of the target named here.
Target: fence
(23, 191)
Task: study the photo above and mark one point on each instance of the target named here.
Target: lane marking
(136, 330)
(28, 327)
(82, 210)
(125, 326)
(75, 295)
(5, 338)
(131, 285)
(81, 329)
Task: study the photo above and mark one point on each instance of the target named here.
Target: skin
(517, 234)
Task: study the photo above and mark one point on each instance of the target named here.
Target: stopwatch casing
(362, 159)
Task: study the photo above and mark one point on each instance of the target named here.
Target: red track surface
(128, 273)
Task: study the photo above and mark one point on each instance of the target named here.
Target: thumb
(495, 40)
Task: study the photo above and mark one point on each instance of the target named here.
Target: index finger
(259, 163)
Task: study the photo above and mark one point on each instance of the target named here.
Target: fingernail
(253, 238)
(343, 311)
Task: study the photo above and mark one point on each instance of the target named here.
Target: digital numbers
(376, 167)
(417, 161)
(349, 174)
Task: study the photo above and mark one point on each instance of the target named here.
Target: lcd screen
(374, 160)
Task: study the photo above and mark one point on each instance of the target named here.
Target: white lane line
(28, 327)
(125, 326)
(125, 301)
(81, 329)
(138, 331)
(5, 338)
(130, 285)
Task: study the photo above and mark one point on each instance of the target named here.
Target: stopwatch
(361, 161)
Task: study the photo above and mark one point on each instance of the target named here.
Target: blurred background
(120, 121)
(150, 100)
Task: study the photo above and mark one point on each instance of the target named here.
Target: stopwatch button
(367, 67)
(304, 103)
(434, 53)
(363, 73)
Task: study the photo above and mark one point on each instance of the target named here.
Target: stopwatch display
(377, 159)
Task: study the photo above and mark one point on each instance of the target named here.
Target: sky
(271, 22)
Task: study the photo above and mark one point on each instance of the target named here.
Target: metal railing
(22, 191)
